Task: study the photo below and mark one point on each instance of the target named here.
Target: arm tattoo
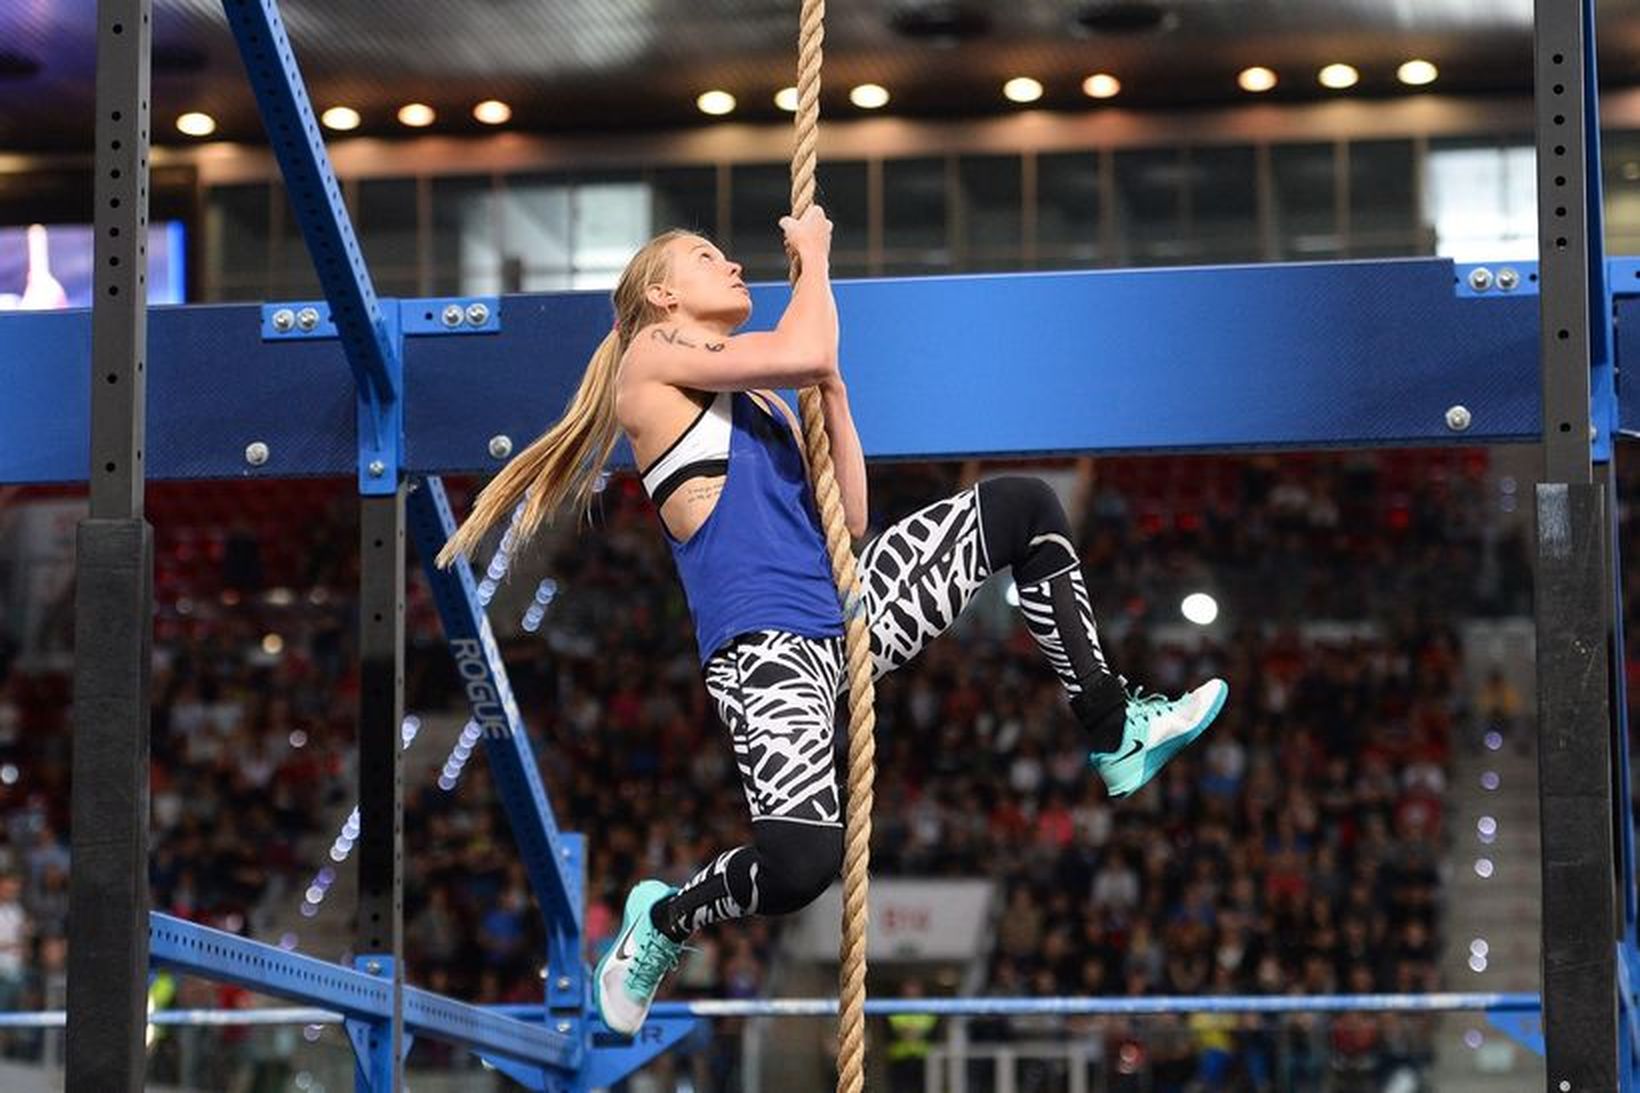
(673, 337)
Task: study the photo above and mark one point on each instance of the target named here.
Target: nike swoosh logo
(1134, 750)
(623, 951)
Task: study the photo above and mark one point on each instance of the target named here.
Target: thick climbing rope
(862, 747)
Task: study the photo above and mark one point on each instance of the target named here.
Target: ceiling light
(786, 99)
(1022, 89)
(341, 118)
(716, 103)
(1417, 73)
(1338, 77)
(1101, 85)
(493, 112)
(869, 96)
(197, 125)
(1257, 79)
(416, 115)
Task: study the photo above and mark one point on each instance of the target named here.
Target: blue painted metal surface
(372, 1039)
(199, 950)
(370, 344)
(551, 860)
(614, 1057)
(1259, 356)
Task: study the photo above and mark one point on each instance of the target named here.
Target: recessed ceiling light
(1101, 85)
(869, 96)
(493, 112)
(1417, 73)
(716, 103)
(786, 99)
(416, 114)
(1338, 77)
(1257, 79)
(340, 118)
(197, 125)
(1022, 89)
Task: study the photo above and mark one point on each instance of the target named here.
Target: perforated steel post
(114, 596)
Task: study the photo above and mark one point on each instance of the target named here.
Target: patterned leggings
(777, 692)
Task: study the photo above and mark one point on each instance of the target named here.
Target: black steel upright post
(114, 596)
(1574, 728)
(381, 779)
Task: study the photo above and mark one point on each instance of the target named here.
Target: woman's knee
(796, 863)
(1025, 527)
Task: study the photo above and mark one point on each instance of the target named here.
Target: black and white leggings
(777, 692)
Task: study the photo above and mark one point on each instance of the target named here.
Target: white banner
(910, 920)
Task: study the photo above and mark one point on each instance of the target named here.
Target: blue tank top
(759, 561)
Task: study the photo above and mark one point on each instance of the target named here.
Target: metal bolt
(256, 453)
(563, 982)
(453, 314)
(1458, 418)
(307, 318)
(500, 446)
(1565, 1086)
(283, 320)
(478, 314)
(377, 468)
(563, 1026)
(1480, 278)
(374, 967)
(1508, 279)
(1594, 433)
(564, 853)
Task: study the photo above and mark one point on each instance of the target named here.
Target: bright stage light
(1200, 608)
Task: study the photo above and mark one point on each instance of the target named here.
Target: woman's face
(702, 285)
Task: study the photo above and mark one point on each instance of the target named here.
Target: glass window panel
(293, 273)
(1620, 153)
(685, 197)
(609, 221)
(843, 190)
(466, 253)
(1482, 199)
(1305, 199)
(388, 234)
(536, 231)
(1384, 200)
(916, 233)
(760, 195)
(1067, 210)
(993, 211)
(1149, 211)
(236, 241)
(1224, 204)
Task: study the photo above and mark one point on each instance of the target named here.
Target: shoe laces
(657, 955)
(1147, 706)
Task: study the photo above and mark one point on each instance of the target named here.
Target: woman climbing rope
(722, 460)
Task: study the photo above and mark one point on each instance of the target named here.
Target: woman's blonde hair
(564, 463)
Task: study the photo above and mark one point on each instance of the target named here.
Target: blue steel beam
(1348, 353)
(369, 343)
(552, 861)
(227, 958)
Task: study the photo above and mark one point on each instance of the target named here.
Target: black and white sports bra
(701, 451)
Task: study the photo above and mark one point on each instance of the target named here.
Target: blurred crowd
(1298, 849)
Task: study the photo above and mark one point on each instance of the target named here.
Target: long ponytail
(562, 466)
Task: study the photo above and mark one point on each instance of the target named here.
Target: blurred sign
(911, 920)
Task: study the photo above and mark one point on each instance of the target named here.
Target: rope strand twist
(862, 748)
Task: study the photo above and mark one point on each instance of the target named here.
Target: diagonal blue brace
(228, 958)
(553, 861)
(371, 345)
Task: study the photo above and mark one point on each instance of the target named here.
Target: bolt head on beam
(1480, 278)
(256, 453)
(1458, 419)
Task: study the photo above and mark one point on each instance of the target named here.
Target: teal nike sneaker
(630, 973)
(1156, 729)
